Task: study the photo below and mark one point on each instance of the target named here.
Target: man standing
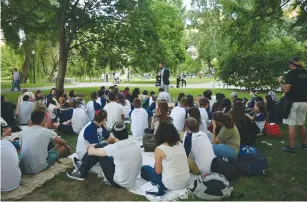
(164, 72)
(294, 86)
(16, 80)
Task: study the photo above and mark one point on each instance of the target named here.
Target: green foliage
(9, 60)
(261, 65)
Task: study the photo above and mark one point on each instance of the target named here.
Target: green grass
(286, 175)
(5, 85)
(195, 80)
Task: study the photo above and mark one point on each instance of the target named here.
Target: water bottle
(58, 120)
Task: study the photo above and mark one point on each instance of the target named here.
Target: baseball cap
(233, 94)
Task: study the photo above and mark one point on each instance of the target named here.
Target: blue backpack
(252, 164)
(247, 150)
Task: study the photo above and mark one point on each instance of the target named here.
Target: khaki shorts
(297, 114)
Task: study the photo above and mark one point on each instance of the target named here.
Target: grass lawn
(5, 85)
(195, 80)
(286, 175)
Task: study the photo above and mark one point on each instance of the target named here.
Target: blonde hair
(40, 107)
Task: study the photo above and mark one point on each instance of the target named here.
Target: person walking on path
(16, 80)
(164, 72)
(294, 86)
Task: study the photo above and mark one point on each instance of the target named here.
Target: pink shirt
(16, 76)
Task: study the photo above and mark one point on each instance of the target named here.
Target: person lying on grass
(120, 159)
(34, 140)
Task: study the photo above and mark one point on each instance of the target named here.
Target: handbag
(149, 142)
(272, 130)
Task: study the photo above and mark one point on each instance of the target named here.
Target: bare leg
(291, 132)
(63, 151)
(303, 133)
(55, 125)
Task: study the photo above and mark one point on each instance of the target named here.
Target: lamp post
(33, 57)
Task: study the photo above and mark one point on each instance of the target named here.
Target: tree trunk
(25, 69)
(209, 64)
(64, 48)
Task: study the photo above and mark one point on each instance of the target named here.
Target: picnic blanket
(141, 186)
(30, 182)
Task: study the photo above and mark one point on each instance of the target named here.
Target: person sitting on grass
(135, 94)
(179, 114)
(92, 106)
(164, 95)
(119, 158)
(171, 170)
(181, 95)
(25, 110)
(39, 96)
(7, 113)
(153, 105)
(160, 115)
(127, 94)
(271, 109)
(125, 104)
(41, 107)
(152, 93)
(53, 106)
(208, 94)
(77, 121)
(227, 105)
(115, 111)
(195, 113)
(219, 104)
(190, 101)
(10, 171)
(145, 99)
(93, 133)
(139, 119)
(259, 116)
(203, 106)
(227, 142)
(102, 101)
(198, 148)
(246, 127)
(252, 101)
(35, 156)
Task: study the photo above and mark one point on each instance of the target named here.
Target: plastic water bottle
(58, 119)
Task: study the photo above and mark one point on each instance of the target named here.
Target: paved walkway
(210, 85)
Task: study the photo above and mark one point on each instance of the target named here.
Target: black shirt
(7, 112)
(298, 80)
(247, 131)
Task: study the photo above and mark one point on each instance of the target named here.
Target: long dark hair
(269, 104)
(36, 97)
(227, 105)
(190, 100)
(223, 119)
(181, 95)
(163, 108)
(167, 132)
(135, 93)
(261, 107)
(122, 99)
(195, 113)
(238, 113)
(207, 94)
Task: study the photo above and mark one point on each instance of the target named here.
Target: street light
(33, 57)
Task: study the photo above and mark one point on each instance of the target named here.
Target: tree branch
(83, 42)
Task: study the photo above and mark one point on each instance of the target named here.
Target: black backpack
(225, 167)
(252, 164)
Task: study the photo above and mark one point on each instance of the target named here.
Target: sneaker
(303, 146)
(289, 150)
(77, 163)
(76, 175)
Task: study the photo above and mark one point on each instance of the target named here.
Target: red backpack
(272, 130)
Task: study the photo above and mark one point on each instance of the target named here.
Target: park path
(209, 85)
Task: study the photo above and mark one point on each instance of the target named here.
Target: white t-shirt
(204, 120)
(127, 109)
(51, 111)
(115, 112)
(178, 115)
(175, 167)
(90, 110)
(150, 100)
(25, 111)
(201, 152)
(164, 96)
(139, 122)
(78, 120)
(128, 161)
(10, 171)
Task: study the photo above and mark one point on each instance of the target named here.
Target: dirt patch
(92, 189)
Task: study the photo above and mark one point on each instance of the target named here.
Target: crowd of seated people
(181, 131)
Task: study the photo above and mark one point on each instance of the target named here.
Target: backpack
(225, 167)
(149, 142)
(212, 187)
(252, 164)
(283, 106)
(272, 130)
(246, 150)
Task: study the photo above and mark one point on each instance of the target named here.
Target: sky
(187, 3)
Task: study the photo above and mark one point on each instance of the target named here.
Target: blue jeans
(222, 150)
(148, 173)
(16, 84)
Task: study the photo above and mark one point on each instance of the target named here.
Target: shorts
(53, 155)
(297, 114)
(66, 129)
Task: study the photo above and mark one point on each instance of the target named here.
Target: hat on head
(119, 130)
(233, 94)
